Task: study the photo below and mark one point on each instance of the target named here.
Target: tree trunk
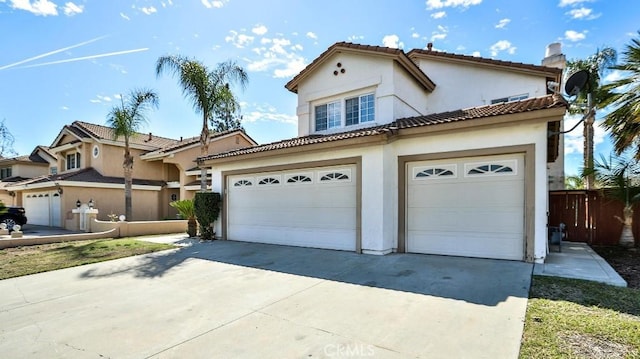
(192, 227)
(588, 143)
(128, 184)
(626, 238)
(204, 150)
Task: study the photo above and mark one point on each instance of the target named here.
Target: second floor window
(73, 161)
(358, 110)
(5, 172)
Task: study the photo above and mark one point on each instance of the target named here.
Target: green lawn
(19, 261)
(568, 318)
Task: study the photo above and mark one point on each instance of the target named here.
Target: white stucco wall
(461, 86)
(380, 169)
(397, 94)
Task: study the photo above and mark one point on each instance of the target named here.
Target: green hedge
(207, 206)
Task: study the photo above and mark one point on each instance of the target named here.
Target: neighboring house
(423, 152)
(88, 166)
(16, 169)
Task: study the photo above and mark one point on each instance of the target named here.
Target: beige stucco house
(419, 151)
(87, 165)
(21, 168)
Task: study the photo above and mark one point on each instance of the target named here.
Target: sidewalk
(578, 260)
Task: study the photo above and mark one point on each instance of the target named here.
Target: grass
(569, 318)
(19, 261)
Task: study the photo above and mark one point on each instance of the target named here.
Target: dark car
(12, 216)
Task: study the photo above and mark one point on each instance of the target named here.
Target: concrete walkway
(578, 260)
(241, 300)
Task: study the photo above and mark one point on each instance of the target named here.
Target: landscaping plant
(207, 208)
(187, 211)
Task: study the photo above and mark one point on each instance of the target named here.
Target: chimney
(150, 136)
(554, 57)
(429, 46)
(180, 138)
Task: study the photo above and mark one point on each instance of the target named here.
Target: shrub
(207, 208)
(186, 209)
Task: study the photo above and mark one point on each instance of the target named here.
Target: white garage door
(471, 207)
(42, 208)
(313, 207)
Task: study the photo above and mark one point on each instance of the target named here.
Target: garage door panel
(467, 220)
(327, 238)
(467, 213)
(313, 207)
(446, 243)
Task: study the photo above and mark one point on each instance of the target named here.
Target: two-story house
(87, 166)
(20, 168)
(423, 152)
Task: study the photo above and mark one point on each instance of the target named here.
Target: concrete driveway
(241, 300)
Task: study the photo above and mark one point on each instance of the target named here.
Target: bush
(207, 208)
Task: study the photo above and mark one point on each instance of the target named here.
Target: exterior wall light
(91, 203)
(78, 204)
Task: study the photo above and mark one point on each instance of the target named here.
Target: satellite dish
(576, 82)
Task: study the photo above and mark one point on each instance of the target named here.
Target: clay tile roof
(106, 133)
(90, 175)
(400, 56)
(552, 71)
(505, 108)
(177, 144)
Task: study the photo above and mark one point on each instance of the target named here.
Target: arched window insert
(490, 169)
(334, 176)
(268, 180)
(434, 172)
(242, 183)
(299, 179)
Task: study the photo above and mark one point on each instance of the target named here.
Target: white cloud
(574, 35)
(149, 10)
(441, 34)
(278, 55)
(122, 15)
(415, 35)
(239, 40)
(38, 7)
(64, 108)
(475, 54)
(502, 45)
(574, 140)
(211, 4)
(259, 30)
(392, 41)
(268, 113)
(312, 35)
(582, 14)
(439, 4)
(564, 3)
(438, 15)
(355, 38)
(71, 9)
(502, 23)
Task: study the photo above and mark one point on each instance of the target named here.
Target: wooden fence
(589, 216)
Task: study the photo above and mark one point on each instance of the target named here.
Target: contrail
(86, 58)
(52, 52)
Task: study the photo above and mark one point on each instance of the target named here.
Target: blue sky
(62, 61)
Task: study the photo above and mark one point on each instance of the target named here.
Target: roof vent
(150, 136)
(429, 46)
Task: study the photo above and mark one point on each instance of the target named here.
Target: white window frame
(341, 106)
(519, 97)
(72, 165)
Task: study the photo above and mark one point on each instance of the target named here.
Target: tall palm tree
(207, 89)
(624, 96)
(591, 97)
(126, 120)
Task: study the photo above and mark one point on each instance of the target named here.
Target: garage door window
(334, 176)
(491, 169)
(268, 181)
(437, 172)
(299, 179)
(242, 183)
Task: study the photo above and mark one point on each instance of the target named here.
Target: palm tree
(207, 89)
(624, 96)
(126, 120)
(618, 177)
(591, 97)
(574, 182)
(227, 113)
